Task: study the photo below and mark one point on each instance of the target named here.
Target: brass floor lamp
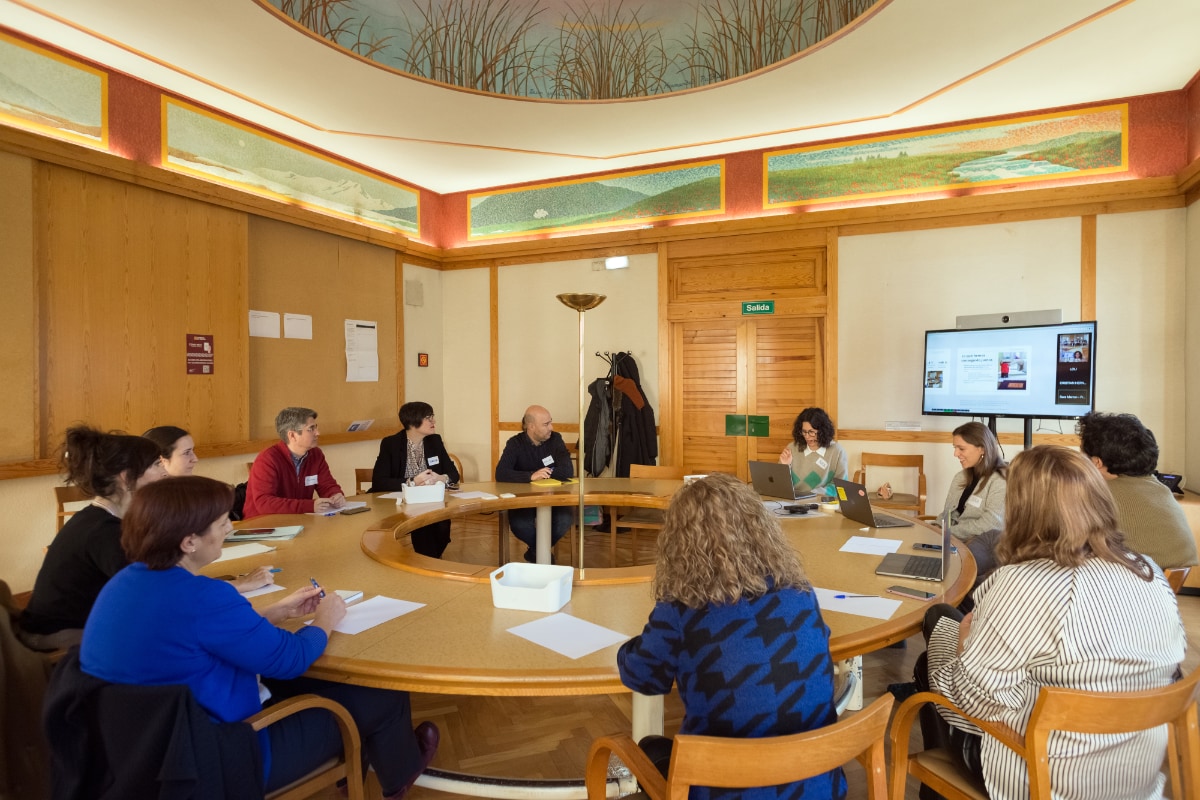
(581, 303)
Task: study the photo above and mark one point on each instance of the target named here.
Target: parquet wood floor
(549, 737)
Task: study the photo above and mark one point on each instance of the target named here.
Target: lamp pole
(581, 303)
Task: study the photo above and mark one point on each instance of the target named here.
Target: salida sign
(758, 307)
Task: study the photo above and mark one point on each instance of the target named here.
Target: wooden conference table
(458, 642)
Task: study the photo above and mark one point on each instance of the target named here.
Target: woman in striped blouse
(1071, 605)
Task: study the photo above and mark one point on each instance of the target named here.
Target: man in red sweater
(285, 475)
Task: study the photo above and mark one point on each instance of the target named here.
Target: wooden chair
(1176, 577)
(64, 495)
(745, 763)
(362, 475)
(348, 767)
(1058, 709)
(898, 501)
(462, 476)
(646, 519)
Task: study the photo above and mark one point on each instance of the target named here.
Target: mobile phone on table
(912, 594)
(937, 548)
(358, 510)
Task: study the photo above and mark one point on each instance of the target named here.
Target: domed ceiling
(574, 49)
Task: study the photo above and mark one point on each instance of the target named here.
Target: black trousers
(305, 740)
(963, 747)
(431, 540)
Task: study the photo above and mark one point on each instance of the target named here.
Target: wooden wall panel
(124, 274)
(789, 376)
(708, 367)
(18, 323)
(300, 271)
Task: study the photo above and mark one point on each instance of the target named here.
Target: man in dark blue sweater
(533, 455)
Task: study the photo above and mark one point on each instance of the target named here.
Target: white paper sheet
(870, 546)
(376, 611)
(264, 324)
(568, 636)
(270, 587)
(362, 351)
(297, 326)
(876, 607)
(472, 496)
(242, 550)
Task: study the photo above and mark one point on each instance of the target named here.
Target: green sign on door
(758, 307)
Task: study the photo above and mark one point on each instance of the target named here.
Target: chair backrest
(661, 472)
(462, 476)
(24, 754)
(916, 462)
(745, 763)
(362, 475)
(63, 495)
(1059, 709)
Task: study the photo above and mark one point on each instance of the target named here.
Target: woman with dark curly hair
(815, 458)
(737, 626)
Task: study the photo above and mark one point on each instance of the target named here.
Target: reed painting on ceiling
(1045, 147)
(200, 143)
(692, 190)
(52, 95)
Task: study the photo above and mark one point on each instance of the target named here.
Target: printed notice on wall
(264, 324)
(199, 354)
(362, 351)
(297, 326)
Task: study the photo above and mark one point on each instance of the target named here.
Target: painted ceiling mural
(574, 49)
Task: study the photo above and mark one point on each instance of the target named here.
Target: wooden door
(767, 366)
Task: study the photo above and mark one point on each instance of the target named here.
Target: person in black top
(87, 551)
(416, 455)
(533, 455)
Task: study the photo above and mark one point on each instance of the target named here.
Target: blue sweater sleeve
(648, 663)
(234, 632)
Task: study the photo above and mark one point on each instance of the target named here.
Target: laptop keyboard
(922, 566)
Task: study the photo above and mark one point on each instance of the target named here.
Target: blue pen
(276, 569)
(844, 596)
(317, 586)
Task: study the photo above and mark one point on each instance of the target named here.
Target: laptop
(922, 568)
(772, 479)
(852, 498)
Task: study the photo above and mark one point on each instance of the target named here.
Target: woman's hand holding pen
(330, 612)
(299, 603)
(256, 579)
(542, 474)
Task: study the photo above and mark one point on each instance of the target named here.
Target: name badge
(975, 501)
(822, 463)
(310, 480)
(548, 461)
(433, 461)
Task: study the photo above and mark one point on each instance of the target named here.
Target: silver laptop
(921, 568)
(772, 479)
(855, 505)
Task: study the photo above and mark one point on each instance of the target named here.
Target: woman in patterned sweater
(1070, 606)
(738, 628)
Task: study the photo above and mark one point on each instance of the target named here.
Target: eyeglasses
(429, 416)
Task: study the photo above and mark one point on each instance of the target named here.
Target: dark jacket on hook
(619, 404)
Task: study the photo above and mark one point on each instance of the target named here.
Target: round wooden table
(458, 642)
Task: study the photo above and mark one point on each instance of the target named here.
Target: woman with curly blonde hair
(737, 626)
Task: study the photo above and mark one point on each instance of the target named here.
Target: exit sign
(758, 307)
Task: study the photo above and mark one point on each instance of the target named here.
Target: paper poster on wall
(264, 324)
(200, 357)
(362, 351)
(297, 326)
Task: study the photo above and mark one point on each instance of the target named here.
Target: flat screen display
(1044, 371)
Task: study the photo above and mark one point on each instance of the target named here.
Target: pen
(273, 569)
(317, 586)
(849, 596)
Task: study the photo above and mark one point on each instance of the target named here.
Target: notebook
(772, 479)
(922, 568)
(852, 498)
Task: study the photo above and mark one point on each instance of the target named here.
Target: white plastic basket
(431, 493)
(532, 587)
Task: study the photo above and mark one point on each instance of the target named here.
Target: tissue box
(532, 587)
(433, 493)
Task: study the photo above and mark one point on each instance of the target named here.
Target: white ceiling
(909, 63)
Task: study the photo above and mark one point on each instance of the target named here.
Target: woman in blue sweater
(159, 622)
(738, 628)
